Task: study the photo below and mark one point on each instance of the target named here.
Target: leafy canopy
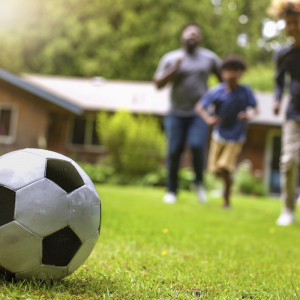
(121, 39)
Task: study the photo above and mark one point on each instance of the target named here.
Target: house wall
(57, 132)
(37, 124)
(31, 119)
(255, 146)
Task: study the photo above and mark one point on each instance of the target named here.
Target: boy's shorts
(223, 156)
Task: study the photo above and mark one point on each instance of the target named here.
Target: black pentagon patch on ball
(64, 174)
(60, 247)
(6, 275)
(7, 205)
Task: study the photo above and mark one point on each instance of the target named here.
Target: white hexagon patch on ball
(50, 215)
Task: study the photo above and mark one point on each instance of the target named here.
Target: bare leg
(227, 179)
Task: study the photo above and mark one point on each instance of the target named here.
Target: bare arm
(248, 115)
(210, 120)
(162, 80)
(279, 83)
(276, 107)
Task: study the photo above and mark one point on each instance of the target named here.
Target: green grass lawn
(150, 250)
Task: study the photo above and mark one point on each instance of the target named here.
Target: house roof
(140, 97)
(97, 94)
(40, 92)
(265, 114)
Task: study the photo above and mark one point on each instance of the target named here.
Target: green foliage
(98, 173)
(157, 178)
(135, 144)
(144, 148)
(103, 173)
(212, 182)
(186, 177)
(259, 78)
(67, 37)
(112, 131)
(247, 183)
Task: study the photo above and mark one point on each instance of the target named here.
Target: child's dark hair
(233, 62)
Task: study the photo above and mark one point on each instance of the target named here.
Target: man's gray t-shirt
(189, 83)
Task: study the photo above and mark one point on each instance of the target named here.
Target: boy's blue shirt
(227, 105)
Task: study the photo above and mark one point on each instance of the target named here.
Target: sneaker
(286, 218)
(200, 192)
(170, 198)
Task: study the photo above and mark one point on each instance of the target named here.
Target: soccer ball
(49, 215)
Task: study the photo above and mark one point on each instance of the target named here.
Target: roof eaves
(10, 78)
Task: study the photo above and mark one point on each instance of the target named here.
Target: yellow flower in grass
(164, 253)
(165, 230)
(272, 230)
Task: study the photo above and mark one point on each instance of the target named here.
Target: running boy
(287, 59)
(226, 107)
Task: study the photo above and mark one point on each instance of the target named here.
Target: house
(59, 114)
(263, 145)
(31, 117)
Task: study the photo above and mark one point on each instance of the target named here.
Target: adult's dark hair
(233, 62)
(190, 24)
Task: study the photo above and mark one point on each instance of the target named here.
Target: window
(84, 131)
(7, 124)
(79, 126)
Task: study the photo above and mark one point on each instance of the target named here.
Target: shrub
(259, 77)
(157, 178)
(185, 179)
(247, 183)
(98, 173)
(212, 182)
(106, 174)
(135, 144)
(112, 132)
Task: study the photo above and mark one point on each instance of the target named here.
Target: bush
(98, 173)
(259, 77)
(212, 182)
(247, 183)
(106, 174)
(157, 178)
(244, 183)
(135, 144)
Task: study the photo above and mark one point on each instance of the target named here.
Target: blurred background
(80, 59)
(124, 39)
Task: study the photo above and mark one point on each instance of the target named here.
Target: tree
(123, 39)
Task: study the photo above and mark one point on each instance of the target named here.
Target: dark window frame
(88, 137)
(9, 124)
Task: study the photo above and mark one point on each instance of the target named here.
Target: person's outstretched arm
(279, 84)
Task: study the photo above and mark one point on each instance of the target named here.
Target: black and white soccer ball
(49, 215)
